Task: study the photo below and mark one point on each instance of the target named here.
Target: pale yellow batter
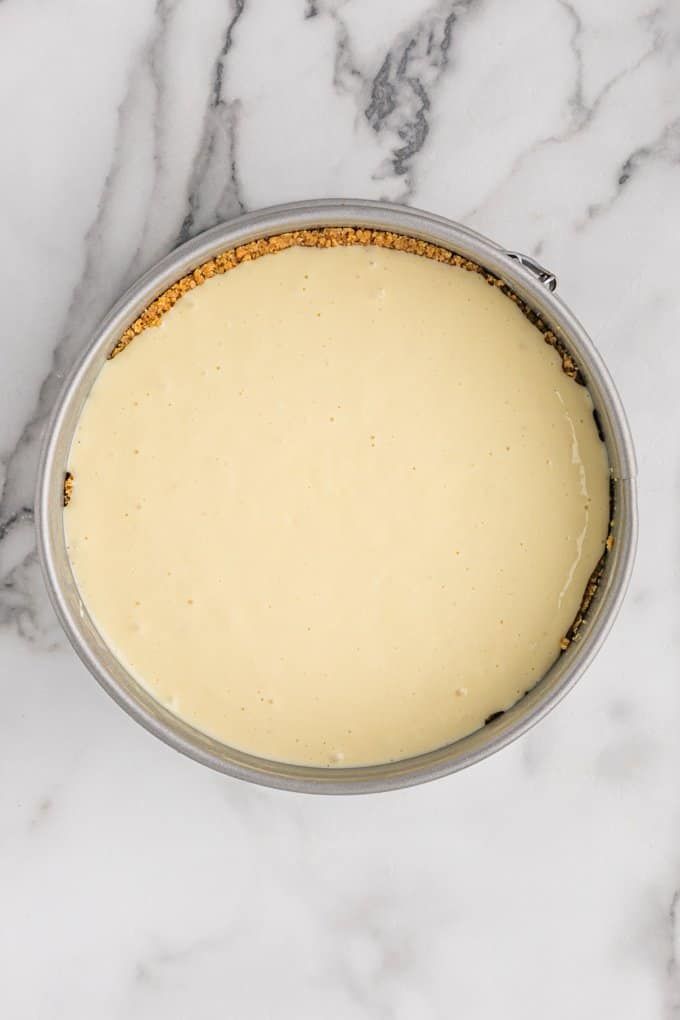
(339, 507)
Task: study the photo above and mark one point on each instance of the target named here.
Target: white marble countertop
(543, 883)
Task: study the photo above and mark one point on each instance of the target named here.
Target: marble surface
(544, 882)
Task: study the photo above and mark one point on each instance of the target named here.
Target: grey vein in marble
(582, 114)
(664, 148)
(154, 66)
(673, 965)
(396, 99)
(214, 195)
(150, 971)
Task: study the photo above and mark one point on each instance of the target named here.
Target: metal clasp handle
(542, 274)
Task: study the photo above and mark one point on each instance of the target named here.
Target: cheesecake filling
(340, 506)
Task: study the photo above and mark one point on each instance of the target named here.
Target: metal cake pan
(532, 284)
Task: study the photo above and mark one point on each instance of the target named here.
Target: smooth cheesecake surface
(339, 507)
